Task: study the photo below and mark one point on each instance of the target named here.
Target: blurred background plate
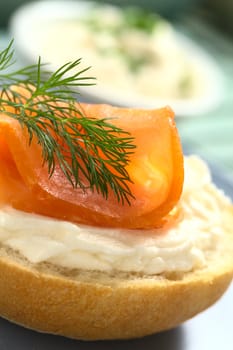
(37, 15)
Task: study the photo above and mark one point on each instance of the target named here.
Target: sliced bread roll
(90, 305)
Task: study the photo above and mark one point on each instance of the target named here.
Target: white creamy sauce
(184, 247)
(130, 60)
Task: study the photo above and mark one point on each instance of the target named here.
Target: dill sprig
(92, 153)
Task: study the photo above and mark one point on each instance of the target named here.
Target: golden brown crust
(83, 308)
(132, 308)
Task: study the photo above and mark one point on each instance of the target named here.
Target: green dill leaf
(91, 153)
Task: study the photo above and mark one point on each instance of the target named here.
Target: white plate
(25, 34)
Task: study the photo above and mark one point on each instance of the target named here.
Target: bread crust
(91, 306)
(95, 307)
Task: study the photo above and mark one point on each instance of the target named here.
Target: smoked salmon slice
(155, 168)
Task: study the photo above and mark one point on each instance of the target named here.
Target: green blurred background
(218, 12)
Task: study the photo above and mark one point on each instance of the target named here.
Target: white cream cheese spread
(184, 247)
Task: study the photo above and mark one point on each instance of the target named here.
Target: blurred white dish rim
(21, 28)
